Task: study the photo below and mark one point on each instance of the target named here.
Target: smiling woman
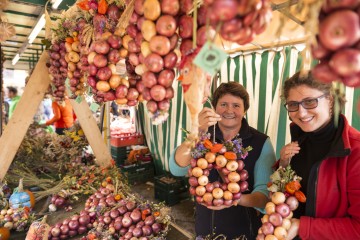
(327, 157)
(225, 122)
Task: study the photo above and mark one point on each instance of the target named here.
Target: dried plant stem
(54, 190)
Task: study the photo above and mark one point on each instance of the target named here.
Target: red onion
(137, 232)
(156, 227)
(73, 224)
(84, 220)
(147, 230)
(59, 202)
(122, 210)
(135, 216)
(64, 229)
(126, 221)
(117, 225)
(55, 232)
(244, 175)
(107, 220)
(66, 221)
(130, 206)
(123, 231)
(82, 229)
(140, 224)
(114, 214)
(149, 220)
(73, 233)
(105, 191)
(128, 235)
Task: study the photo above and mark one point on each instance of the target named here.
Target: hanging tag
(210, 58)
(94, 107)
(78, 99)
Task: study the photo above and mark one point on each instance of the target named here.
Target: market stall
(132, 53)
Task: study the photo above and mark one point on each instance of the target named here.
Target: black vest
(234, 221)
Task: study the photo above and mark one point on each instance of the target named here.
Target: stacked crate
(171, 190)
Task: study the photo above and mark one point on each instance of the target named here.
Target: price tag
(78, 99)
(94, 107)
(210, 58)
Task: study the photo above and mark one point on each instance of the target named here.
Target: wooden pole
(92, 132)
(25, 110)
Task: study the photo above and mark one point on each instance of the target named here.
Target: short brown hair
(232, 88)
(308, 80)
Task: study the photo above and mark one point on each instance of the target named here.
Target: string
(212, 107)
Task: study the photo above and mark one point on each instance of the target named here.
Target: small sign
(94, 107)
(210, 58)
(78, 99)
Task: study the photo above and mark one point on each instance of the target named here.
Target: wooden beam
(258, 47)
(92, 132)
(23, 115)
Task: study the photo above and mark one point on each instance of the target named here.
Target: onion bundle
(15, 219)
(72, 57)
(241, 19)
(103, 57)
(338, 43)
(151, 61)
(222, 157)
(285, 198)
(109, 214)
(58, 69)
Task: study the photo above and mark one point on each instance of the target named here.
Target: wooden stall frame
(19, 123)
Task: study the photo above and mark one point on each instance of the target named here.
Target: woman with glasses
(325, 152)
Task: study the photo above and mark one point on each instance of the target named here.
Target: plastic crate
(119, 154)
(138, 173)
(172, 191)
(123, 141)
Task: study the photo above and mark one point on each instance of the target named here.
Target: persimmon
(230, 155)
(300, 196)
(292, 187)
(216, 148)
(207, 144)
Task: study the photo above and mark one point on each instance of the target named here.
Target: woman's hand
(207, 118)
(294, 229)
(287, 152)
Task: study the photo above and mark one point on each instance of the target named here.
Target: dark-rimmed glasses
(308, 103)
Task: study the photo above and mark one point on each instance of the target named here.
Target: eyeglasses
(309, 103)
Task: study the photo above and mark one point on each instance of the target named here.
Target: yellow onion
(203, 180)
(200, 190)
(218, 193)
(278, 197)
(210, 157)
(270, 208)
(220, 161)
(228, 195)
(233, 177)
(232, 165)
(197, 172)
(233, 187)
(202, 163)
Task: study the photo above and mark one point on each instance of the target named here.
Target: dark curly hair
(232, 88)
